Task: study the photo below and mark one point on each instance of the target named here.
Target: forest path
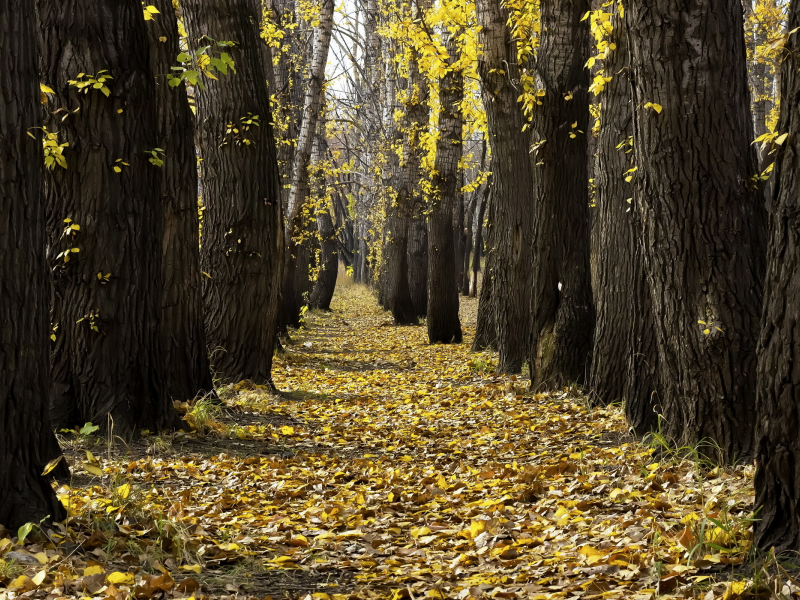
(391, 468)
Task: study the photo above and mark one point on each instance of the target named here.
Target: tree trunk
(443, 323)
(242, 240)
(293, 298)
(418, 258)
(27, 442)
(477, 248)
(777, 479)
(104, 219)
(187, 369)
(624, 359)
(561, 303)
(511, 233)
(702, 217)
(329, 256)
(465, 262)
(395, 290)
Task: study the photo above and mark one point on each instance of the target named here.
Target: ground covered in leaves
(390, 468)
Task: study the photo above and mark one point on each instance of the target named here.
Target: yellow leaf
(230, 546)
(287, 430)
(781, 139)
(419, 531)
(41, 557)
(654, 106)
(152, 10)
(93, 470)
(299, 540)
(194, 568)
(118, 578)
(45, 89)
(735, 589)
(39, 577)
(124, 490)
(93, 570)
(476, 528)
(53, 463)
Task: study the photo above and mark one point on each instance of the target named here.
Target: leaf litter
(390, 468)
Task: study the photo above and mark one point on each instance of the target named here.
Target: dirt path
(389, 468)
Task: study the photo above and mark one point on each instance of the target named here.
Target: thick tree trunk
(443, 323)
(27, 442)
(395, 290)
(777, 480)
(624, 358)
(511, 233)
(561, 302)
(104, 218)
(187, 369)
(702, 217)
(242, 240)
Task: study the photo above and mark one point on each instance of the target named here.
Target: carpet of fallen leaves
(389, 468)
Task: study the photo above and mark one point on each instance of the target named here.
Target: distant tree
(299, 190)
(242, 241)
(624, 358)
(187, 370)
(777, 455)
(325, 284)
(104, 217)
(561, 301)
(443, 323)
(702, 215)
(504, 310)
(26, 439)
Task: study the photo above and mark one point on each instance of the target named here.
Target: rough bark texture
(325, 284)
(418, 258)
(26, 439)
(624, 358)
(702, 217)
(510, 237)
(777, 479)
(187, 369)
(443, 323)
(242, 239)
(107, 357)
(561, 303)
(477, 246)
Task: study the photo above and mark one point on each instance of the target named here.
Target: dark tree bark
(624, 358)
(702, 216)
(26, 438)
(511, 233)
(325, 284)
(485, 329)
(477, 247)
(561, 302)
(418, 258)
(187, 369)
(443, 323)
(107, 357)
(242, 239)
(777, 479)
(466, 236)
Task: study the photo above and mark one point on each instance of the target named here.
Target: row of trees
(633, 254)
(158, 212)
(628, 254)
